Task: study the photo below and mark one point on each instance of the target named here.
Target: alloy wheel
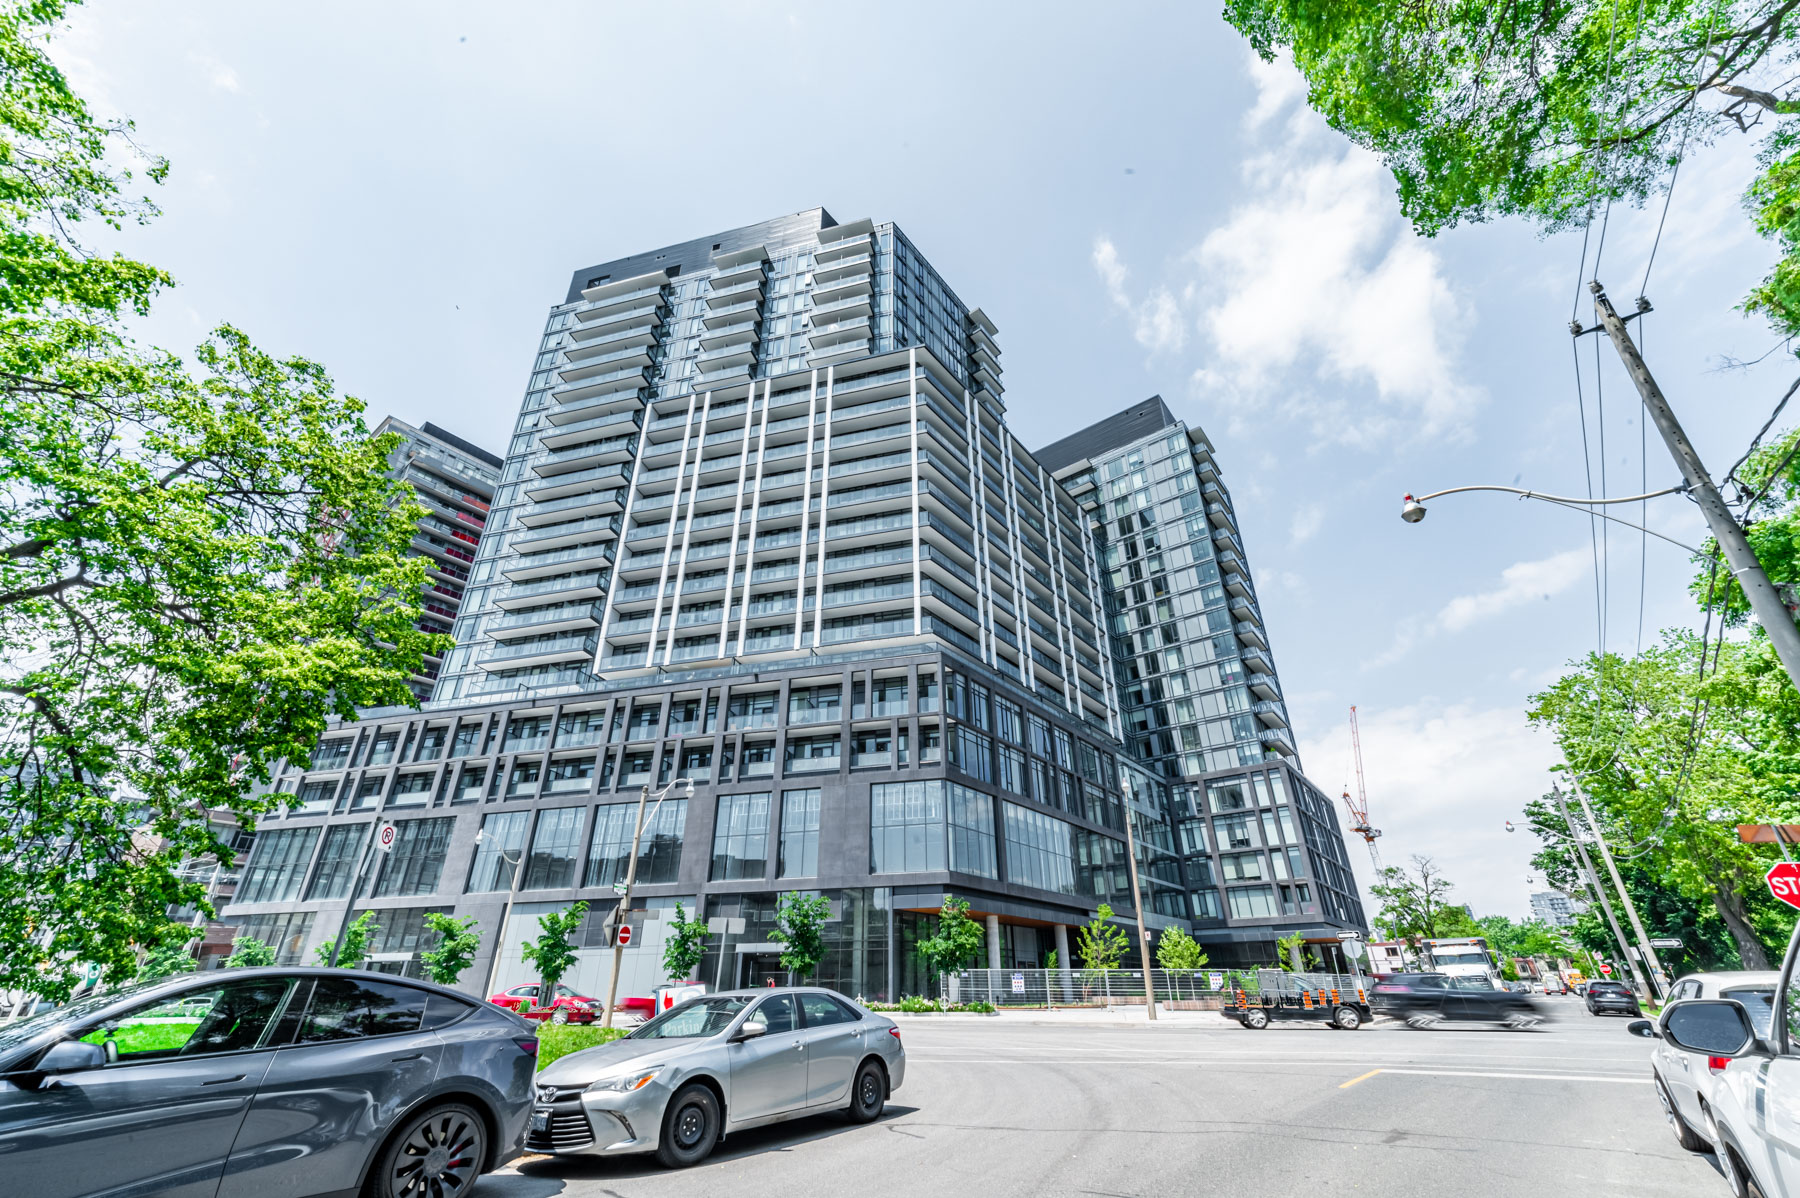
(440, 1155)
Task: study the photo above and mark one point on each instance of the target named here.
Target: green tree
(166, 960)
(457, 942)
(1670, 764)
(684, 945)
(1101, 943)
(553, 952)
(247, 952)
(1414, 904)
(362, 929)
(800, 924)
(958, 939)
(200, 562)
(1178, 950)
(1287, 949)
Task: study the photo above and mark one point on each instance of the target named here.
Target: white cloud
(1520, 584)
(1315, 287)
(1306, 523)
(1442, 782)
(1157, 321)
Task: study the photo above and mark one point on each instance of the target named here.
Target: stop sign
(1784, 883)
(624, 933)
(1605, 968)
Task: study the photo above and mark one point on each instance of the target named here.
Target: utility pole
(1765, 601)
(378, 839)
(1637, 925)
(1605, 903)
(1137, 901)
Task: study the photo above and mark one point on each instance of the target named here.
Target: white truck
(1463, 957)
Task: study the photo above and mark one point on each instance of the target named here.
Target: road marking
(1365, 1077)
(1538, 1077)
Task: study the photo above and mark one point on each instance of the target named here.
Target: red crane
(1359, 806)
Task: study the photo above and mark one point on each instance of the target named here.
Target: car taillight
(894, 1032)
(1392, 989)
(1717, 1064)
(527, 1045)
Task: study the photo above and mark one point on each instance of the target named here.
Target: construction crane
(1359, 806)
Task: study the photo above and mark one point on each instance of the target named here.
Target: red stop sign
(1784, 883)
(1605, 968)
(624, 933)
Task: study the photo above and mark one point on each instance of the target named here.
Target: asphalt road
(1002, 1106)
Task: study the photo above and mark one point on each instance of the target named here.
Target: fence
(1201, 989)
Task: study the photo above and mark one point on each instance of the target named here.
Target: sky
(401, 191)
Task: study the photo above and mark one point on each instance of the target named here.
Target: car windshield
(1462, 956)
(1760, 1003)
(1605, 988)
(25, 1029)
(693, 1019)
(1480, 983)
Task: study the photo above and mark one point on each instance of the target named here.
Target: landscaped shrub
(561, 1039)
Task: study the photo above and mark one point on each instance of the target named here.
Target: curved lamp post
(1412, 509)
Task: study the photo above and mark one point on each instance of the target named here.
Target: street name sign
(1784, 882)
(1666, 942)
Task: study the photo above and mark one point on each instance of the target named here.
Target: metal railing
(1183, 989)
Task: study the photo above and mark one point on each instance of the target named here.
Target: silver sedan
(717, 1064)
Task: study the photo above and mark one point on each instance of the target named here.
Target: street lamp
(1412, 509)
(687, 785)
(1137, 901)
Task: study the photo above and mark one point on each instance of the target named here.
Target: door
(1675, 1068)
(768, 1073)
(358, 1054)
(833, 1034)
(762, 970)
(160, 1116)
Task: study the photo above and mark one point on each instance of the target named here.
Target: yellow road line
(1365, 1077)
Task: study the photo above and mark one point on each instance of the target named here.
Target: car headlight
(626, 1083)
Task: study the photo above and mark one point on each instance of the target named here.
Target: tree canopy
(200, 561)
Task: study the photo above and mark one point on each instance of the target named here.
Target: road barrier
(1176, 989)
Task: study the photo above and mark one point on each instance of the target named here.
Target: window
(381, 749)
(523, 783)
(1252, 902)
(570, 776)
(553, 847)
(659, 852)
(696, 763)
(822, 1010)
(403, 930)
(752, 711)
(331, 754)
(759, 759)
(1039, 733)
(1012, 770)
(972, 753)
(646, 718)
(285, 932)
(812, 754)
(1008, 729)
(468, 786)
(778, 1013)
(1241, 867)
(928, 693)
(431, 744)
(888, 697)
(526, 733)
(227, 1017)
(497, 852)
(1206, 904)
(347, 1009)
(1235, 832)
(1040, 850)
(931, 826)
(467, 735)
(871, 747)
(411, 790)
(367, 791)
(741, 838)
(1232, 794)
(685, 716)
(417, 858)
(315, 797)
(343, 845)
(278, 867)
(931, 744)
(580, 728)
(815, 705)
(799, 834)
(635, 767)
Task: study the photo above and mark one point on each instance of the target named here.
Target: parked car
(1602, 997)
(1682, 1086)
(715, 1064)
(1426, 999)
(566, 1007)
(249, 1082)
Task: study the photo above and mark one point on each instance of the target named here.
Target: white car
(1684, 1082)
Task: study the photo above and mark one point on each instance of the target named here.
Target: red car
(568, 1007)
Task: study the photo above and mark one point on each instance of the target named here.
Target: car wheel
(1256, 1020)
(690, 1127)
(1686, 1136)
(1347, 1018)
(1521, 1021)
(868, 1096)
(1421, 1022)
(440, 1151)
(561, 1015)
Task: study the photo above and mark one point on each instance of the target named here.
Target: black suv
(1611, 996)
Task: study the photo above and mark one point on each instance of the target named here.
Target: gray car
(245, 1083)
(721, 1063)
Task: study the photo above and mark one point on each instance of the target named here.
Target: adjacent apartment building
(762, 526)
(1200, 699)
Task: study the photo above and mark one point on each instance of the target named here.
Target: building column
(993, 922)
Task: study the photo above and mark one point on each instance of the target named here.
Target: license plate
(540, 1121)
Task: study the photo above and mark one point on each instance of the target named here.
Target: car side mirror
(71, 1056)
(751, 1029)
(1644, 1028)
(1718, 1027)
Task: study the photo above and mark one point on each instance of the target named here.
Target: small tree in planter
(958, 938)
(553, 952)
(247, 952)
(1178, 950)
(457, 942)
(1101, 945)
(356, 943)
(800, 924)
(684, 946)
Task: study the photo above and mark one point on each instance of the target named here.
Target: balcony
(584, 456)
(602, 363)
(1264, 686)
(842, 267)
(740, 332)
(543, 620)
(538, 565)
(614, 382)
(842, 309)
(734, 370)
(1270, 713)
(575, 432)
(1230, 562)
(737, 272)
(574, 507)
(569, 648)
(743, 352)
(1276, 739)
(834, 251)
(1221, 517)
(843, 351)
(841, 289)
(613, 291)
(576, 483)
(1257, 662)
(588, 410)
(852, 328)
(613, 321)
(1251, 634)
(1243, 609)
(558, 535)
(567, 589)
